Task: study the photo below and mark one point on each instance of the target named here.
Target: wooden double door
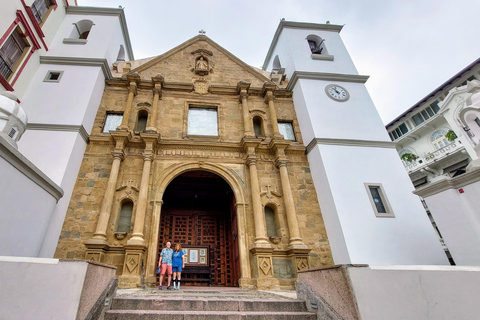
(199, 210)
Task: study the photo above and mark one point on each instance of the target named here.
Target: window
(112, 121)
(125, 217)
(438, 139)
(426, 114)
(40, 9)
(316, 44)
(398, 132)
(378, 199)
(257, 126)
(80, 32)
(286, 129)
(202, 121)
(142, 121)
(270, 222)
(11, 52)
(53, 76)
(477, 121)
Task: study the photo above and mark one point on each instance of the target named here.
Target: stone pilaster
(281, 160)
(242, 89)
(249, 146)
(151, 264)
(132, 266)
(97, 245)
(132, 91)
(157, 94)
(268, 91)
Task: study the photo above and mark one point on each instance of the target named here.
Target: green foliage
(451, 135)
(410, 157)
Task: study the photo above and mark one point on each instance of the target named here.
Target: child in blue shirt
(177, 265)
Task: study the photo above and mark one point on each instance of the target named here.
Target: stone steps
(239, 305)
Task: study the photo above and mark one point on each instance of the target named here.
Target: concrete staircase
(196, 305)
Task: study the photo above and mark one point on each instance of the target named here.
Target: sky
(408, 47)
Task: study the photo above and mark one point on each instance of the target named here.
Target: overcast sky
(408, 47)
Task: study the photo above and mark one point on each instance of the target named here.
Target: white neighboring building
(365, 196)
(55, 57)
(446, 173)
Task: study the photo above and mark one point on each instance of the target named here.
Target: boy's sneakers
(160, 288)
(168, 288)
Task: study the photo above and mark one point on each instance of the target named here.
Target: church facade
(198, 148)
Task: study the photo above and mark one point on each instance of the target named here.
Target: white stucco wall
(40, 288)
(25, 206)
(355, 233)
(458, 218)
(418, 292)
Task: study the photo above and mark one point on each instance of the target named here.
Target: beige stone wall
(224, 154)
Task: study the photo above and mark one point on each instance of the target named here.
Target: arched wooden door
(197, 210)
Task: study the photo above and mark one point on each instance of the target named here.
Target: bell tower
(365, 195)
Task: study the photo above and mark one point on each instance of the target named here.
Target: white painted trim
(71, 61)
(324, 76)
(60, 127)
(350, 143)
(448, 183)
(22, 164)
(74, 41)
(327, 57)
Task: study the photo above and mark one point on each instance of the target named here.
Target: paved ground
(209, 293)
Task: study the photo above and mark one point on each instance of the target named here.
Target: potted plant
(451, 135)
(410, 157)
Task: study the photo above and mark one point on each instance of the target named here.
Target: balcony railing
(431, 156)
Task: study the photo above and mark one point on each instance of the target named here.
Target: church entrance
(198, 211)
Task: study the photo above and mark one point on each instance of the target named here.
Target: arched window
(142, 121)
(81, 29)
(270, 222)
(316, 44)
(125, 218)
(438, 139)
(257, 126)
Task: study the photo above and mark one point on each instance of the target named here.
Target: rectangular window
(202, 121)
(378, 199)
(40, 9)
(434, 106)
(11, 52)
(112, 121)
(398, 132)
(286, 129)
(403, 128)
(53, 76)
(418, 119)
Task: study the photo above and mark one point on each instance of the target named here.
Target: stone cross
(202, 32)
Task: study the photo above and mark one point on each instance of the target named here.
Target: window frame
(293, 129)
(383, 197)
(106, 118)
(201, 106)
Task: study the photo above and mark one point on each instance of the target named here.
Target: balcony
(438, 159)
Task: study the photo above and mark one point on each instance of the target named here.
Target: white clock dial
(337, 93)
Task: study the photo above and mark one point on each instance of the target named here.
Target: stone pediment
(200, 60)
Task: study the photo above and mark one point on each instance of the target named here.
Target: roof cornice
(448, 183)
(324, 76)
(300, 25)
(107, 12)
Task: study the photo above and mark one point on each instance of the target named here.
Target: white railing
(430, 156)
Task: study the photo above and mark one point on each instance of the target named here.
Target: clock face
(337, 92)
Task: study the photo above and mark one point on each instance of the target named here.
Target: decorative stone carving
(301, 263)
(265, 265)
(201, 66)
(201, 86)
(269, 193)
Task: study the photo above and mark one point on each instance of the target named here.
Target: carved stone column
(97, 245)
(157, 94)
(152, 261)
(139, 223)
(268, 91)
(259, 218)
(281, 160)
(242, 89)
(132, 91)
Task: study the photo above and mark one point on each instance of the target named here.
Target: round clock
(337, 93)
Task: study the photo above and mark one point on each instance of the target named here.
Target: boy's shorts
(177, 269)
(166, 268)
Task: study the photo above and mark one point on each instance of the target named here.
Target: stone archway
(238, 188)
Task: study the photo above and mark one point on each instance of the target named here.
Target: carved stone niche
(203, 65)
